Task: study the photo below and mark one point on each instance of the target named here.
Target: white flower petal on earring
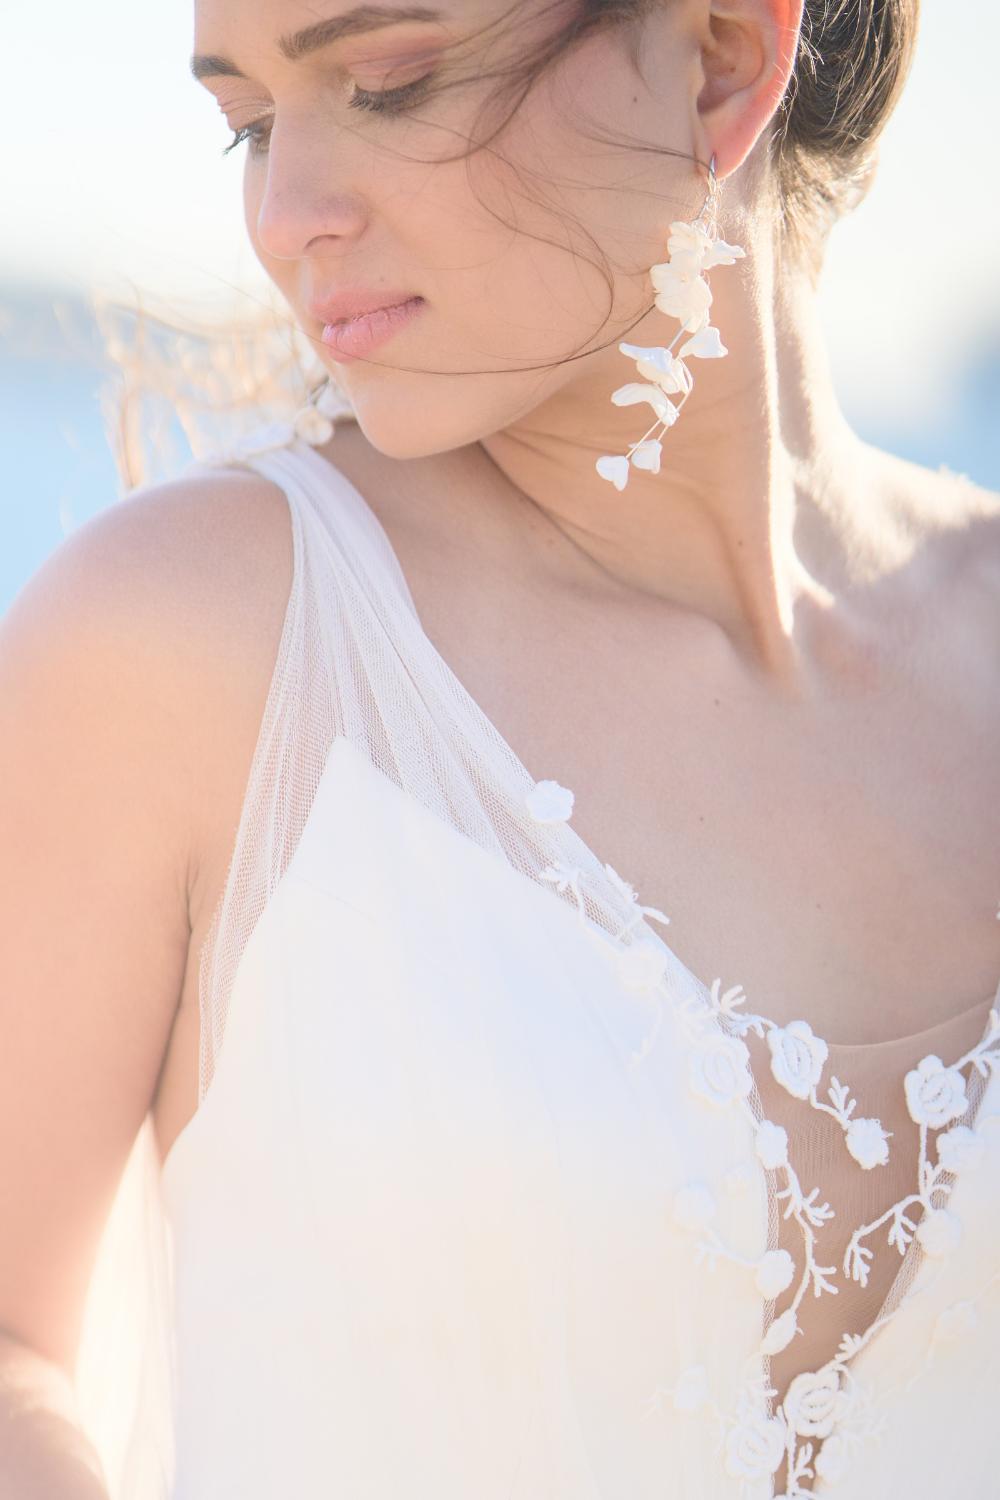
(688, 239)
(628, 395)
(721, 254)
(680, 381)
(682, 295)
(661, 367)
(614, 466)
(670, 277)
(705, 344)
(646, 455)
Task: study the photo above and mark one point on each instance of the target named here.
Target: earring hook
(711, 195)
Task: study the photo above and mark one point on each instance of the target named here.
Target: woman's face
(339, 196)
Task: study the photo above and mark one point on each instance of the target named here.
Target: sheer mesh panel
(352, 660)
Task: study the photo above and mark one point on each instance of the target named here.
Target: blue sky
(118, 177)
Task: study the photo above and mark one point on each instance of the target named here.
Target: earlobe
(747, 59)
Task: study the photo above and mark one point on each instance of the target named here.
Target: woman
(475, 1185)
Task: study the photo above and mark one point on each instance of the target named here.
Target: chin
(403, 426)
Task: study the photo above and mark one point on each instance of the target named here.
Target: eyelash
(384, 101)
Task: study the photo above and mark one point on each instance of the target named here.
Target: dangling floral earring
(681, 292)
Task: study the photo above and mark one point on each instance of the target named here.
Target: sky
(118, 176)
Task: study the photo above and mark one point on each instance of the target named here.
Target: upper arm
(100, 683)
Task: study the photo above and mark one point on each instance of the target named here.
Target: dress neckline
(578, 844)
(584, 857)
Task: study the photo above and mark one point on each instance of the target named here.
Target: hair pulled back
(852, 60)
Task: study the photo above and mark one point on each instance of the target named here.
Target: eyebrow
(363, 18)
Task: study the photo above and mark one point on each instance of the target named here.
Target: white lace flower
(641, 965)
(868, 1143)
(548, 802)
(939, 1231)
(833, 1459)
(960, 1149)
(780, 1333)
(771, 1143)
(775, 1270)
(814, 1402)
(797, 1057)
(691, 1389)
(755, 1446)
(681, 293)
(720, 1070)
(935, 1094)
(694, 1206)
(312, 426)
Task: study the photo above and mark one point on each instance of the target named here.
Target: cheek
(509, 286)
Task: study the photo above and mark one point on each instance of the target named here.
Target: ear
(748, 51)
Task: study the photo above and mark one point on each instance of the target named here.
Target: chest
(839, 855)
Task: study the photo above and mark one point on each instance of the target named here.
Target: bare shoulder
(133, 667)
(175, 554)
(967, 520)
(174, 596)
(953, 526)
(948, 526)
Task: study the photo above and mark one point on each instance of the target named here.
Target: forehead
(285, 21)
(294, 31)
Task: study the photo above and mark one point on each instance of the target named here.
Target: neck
(764, 502)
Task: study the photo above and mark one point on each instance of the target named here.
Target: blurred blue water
(58, 468)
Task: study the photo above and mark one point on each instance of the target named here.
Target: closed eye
(379, 101)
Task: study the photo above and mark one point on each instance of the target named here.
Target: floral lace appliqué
(825, 1414)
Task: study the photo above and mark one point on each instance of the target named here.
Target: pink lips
(356, 336)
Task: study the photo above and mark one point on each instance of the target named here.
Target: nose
(306, 202)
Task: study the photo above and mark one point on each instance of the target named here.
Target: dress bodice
(486, 1192)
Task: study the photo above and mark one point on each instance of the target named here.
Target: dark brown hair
(852, 60)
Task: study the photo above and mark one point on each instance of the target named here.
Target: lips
(353, 302)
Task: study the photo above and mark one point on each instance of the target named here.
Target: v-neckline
(582, 856)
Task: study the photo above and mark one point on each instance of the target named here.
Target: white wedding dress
(477, 1203)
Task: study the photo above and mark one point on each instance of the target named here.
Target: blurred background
(117, 187)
